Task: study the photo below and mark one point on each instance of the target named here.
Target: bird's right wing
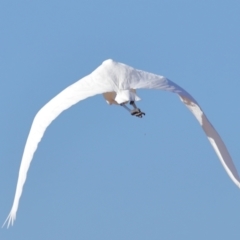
(86, 87)
(141, 79)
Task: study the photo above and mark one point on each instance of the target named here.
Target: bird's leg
(136, 111)
(124, 105)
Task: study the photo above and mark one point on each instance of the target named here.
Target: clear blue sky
(100, 173)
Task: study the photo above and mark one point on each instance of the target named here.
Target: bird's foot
(137, 112)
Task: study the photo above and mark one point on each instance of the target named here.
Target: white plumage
(118, 82)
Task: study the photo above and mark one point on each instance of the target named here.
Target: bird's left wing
(141, 79)
(86, 87)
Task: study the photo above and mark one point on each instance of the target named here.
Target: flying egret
(118, 83)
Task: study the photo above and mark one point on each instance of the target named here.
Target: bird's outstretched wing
(142, 79)
(86, 87)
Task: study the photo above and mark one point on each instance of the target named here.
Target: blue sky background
(98, 172)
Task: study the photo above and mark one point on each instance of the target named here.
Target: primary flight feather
(118, 84)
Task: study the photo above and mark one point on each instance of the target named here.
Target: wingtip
(9, 220)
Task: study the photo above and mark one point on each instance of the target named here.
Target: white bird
(118, 83)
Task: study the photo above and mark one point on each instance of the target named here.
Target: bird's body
(118, 84)
(111, 96)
